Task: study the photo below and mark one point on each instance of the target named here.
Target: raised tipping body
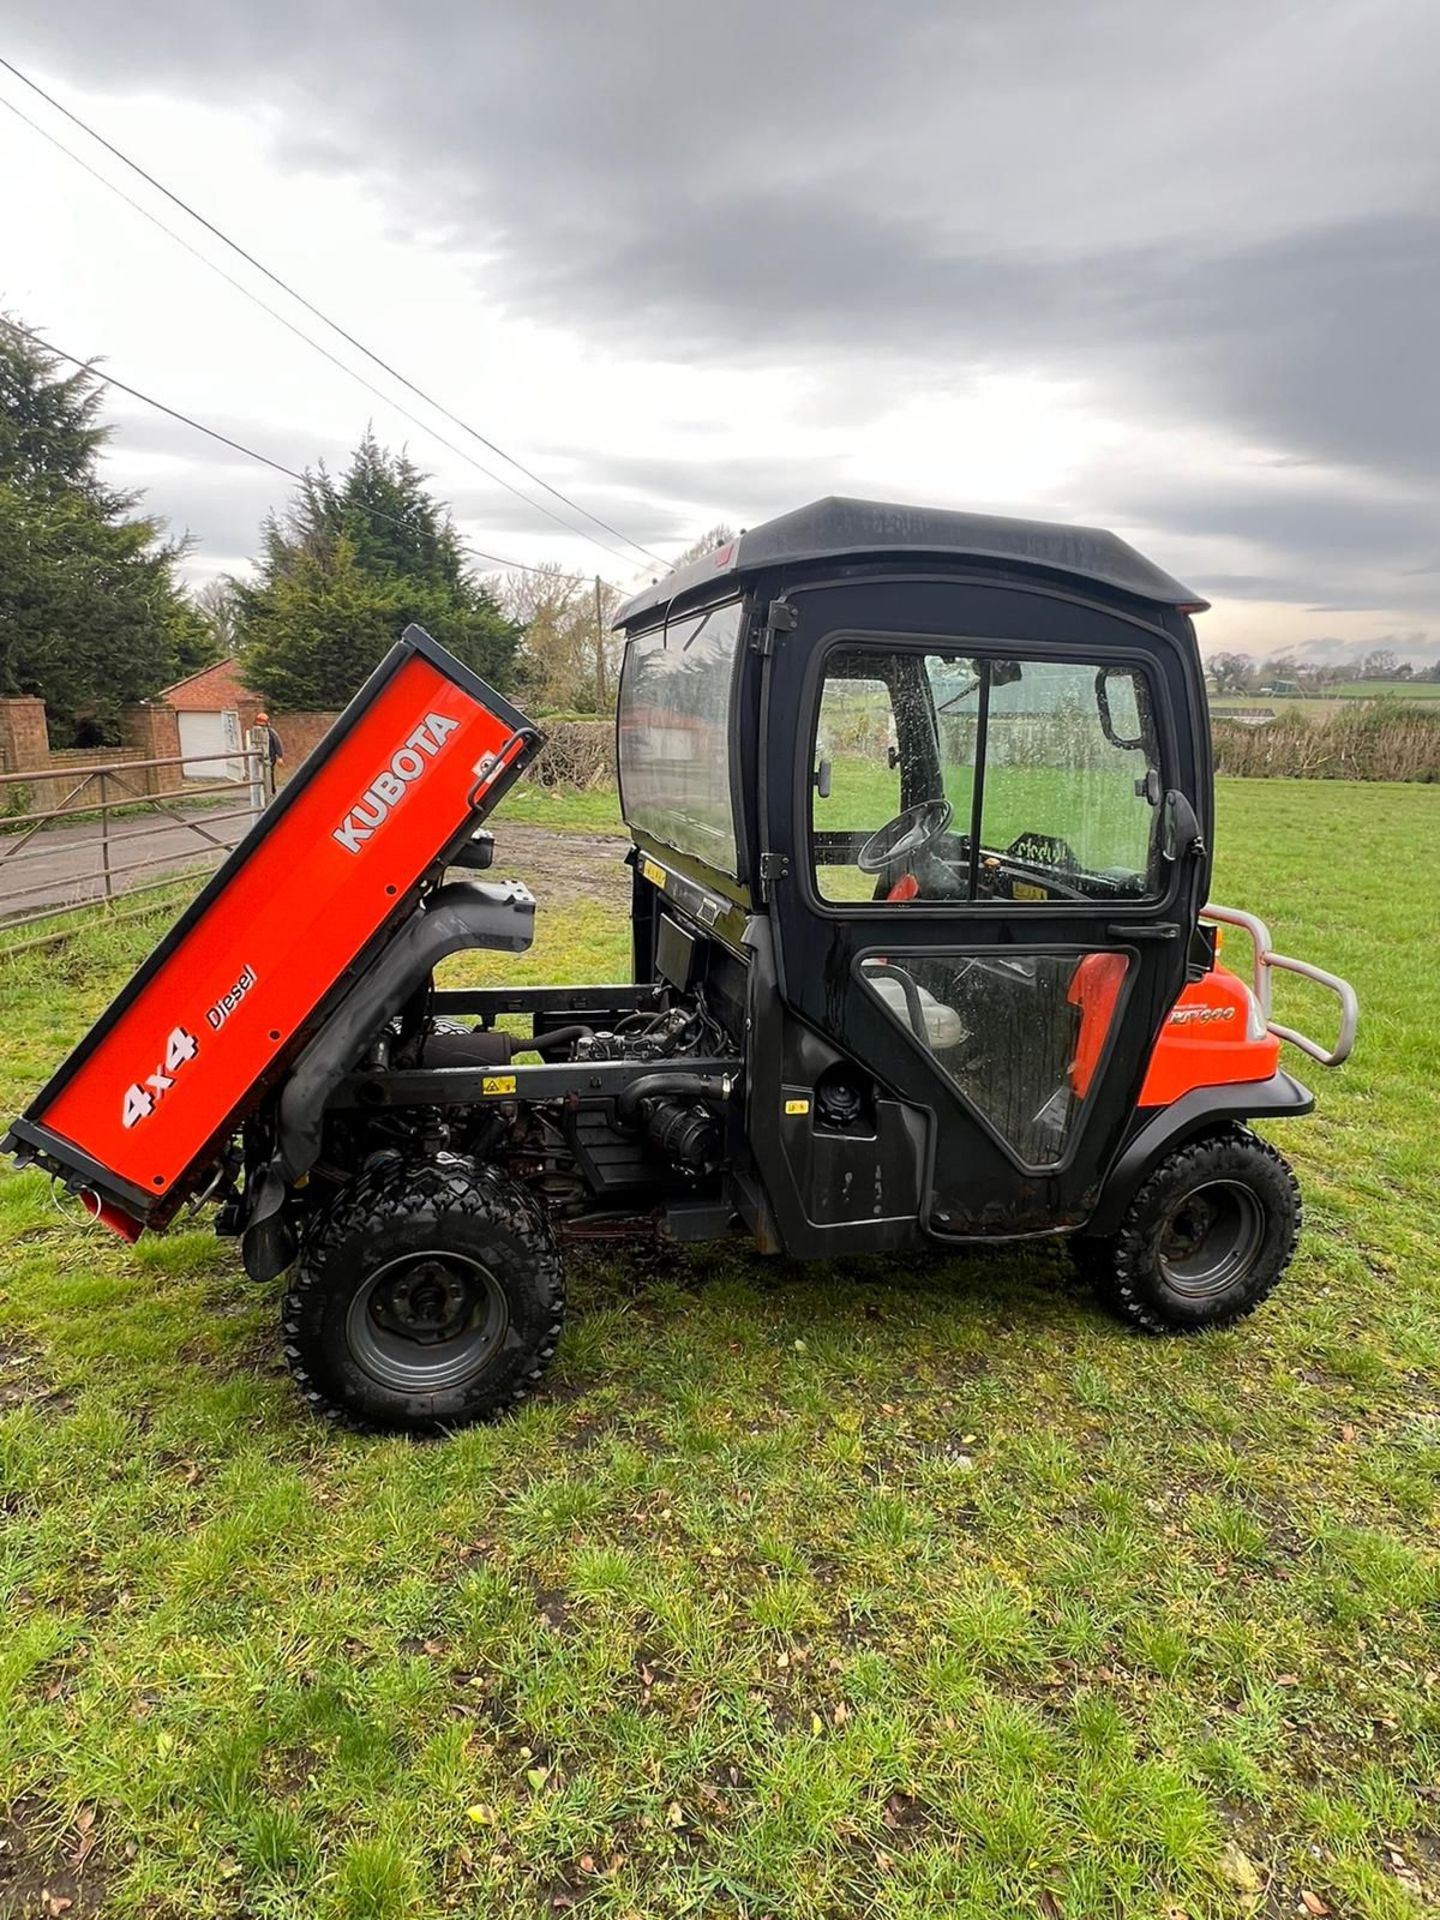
(221, 1008)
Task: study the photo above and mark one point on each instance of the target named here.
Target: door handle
(1122, 931)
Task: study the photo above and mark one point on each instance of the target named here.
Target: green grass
(1319, 706)
(535, 806)
(900, 1589)
(1313, 708)
(1389, 690)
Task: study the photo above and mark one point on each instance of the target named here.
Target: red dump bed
(139, 1109)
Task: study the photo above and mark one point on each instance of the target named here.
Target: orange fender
(1212, 1037)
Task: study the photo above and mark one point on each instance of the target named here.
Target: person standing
(274, 751)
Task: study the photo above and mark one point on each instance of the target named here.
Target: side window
(893, 776)
(675, 736)
(949, 776)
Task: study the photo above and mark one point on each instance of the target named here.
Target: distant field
(1271, 703)
(1390, 690)
(1320, 706)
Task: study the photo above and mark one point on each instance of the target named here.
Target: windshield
(674, 734)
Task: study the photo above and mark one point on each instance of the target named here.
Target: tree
(346, 569)
(569, 654)
(718, 536)
(1281, 672)
(1233, 672)
(91, 614)
(218, 605)
(1379, 664)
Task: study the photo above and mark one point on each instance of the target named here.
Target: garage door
(211, 733)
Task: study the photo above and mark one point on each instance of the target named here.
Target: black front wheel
(1207, 1236)
(428, 1296)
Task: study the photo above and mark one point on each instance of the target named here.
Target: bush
(578, 754)
(1369, 740)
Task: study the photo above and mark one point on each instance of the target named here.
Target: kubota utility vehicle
(921, 810)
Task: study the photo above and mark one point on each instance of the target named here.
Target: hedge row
(578, 754)
(1379, 740)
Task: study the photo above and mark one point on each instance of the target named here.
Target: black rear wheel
(1207, 1236)
(428, 1297)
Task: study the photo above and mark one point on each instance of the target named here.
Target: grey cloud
(220, 508)
(1220, 215)
(1340, 522)
(1324, 341)
(150, 432)
(645, 518)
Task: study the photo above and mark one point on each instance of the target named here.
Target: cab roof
(837, 528)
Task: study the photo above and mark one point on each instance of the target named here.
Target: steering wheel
(907, 834)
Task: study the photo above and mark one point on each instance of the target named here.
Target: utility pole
(600, 687)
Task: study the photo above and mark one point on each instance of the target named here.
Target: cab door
(992, 863)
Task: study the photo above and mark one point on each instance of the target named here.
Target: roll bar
(1267, 961)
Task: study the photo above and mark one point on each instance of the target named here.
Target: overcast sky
(1169, 268)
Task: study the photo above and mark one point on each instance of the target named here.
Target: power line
(334, 325)
(300, 333)
(252, 453)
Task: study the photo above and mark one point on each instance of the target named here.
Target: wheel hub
(427, 1302)
(423, 1323)
(1210, 1238)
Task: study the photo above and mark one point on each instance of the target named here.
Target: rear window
(674, 734)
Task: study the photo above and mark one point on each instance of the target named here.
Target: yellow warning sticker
(1027, 890)
(653, 872)
(797, 1106)
(498, 1083)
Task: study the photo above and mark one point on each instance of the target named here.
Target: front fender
(461, 915)
(1200, 1111)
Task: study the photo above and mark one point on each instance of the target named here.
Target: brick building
(215, 709)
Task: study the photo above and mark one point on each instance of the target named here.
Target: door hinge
(773, 867)
(780, 617)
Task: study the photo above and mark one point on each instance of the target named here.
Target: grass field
(899, 1590)
(1277, 703)
(1318, 707)
(536, 806)
(1389, 690)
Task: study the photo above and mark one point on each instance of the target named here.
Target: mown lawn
(894, 1590)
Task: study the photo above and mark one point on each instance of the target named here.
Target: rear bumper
(1281, 1097)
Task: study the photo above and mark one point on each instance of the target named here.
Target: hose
(684, 1086)
(547, 1043)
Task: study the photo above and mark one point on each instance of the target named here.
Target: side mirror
(1102, 706)
(1179, 827)
(822, 780)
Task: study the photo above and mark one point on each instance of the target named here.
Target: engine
(684, 1131)
(662, 1130)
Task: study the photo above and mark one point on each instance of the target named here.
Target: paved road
(64, 864)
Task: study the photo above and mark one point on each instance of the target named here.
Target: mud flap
(270, 1243)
